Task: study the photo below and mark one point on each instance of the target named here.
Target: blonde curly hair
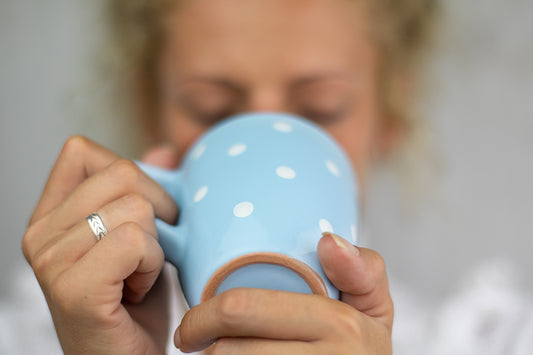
(401, 29)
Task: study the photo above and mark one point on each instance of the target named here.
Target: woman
(347, 65)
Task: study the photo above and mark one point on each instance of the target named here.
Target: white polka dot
(237, 149)
(332, 167)
(243, 209)
(282, 127)
(354, 233)
(200, 194)
(285, 172)
(198, 151)
(325, 226)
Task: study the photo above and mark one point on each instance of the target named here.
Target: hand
(103, 296)
(255, 321)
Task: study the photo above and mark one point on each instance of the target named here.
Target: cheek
(179, 130)
(359, 136)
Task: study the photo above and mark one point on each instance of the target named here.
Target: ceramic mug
(255, 194)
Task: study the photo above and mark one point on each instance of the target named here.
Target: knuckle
(132, 230)
(160, 252)
(25, 246)
(75, 145)
(347, 321)
(27, 243)
(44, 260)
(141, 206)
(126, 172)
(234, 307)
(135, 235)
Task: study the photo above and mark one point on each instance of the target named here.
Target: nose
(267, 99)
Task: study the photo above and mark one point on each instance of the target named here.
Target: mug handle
(171, 237)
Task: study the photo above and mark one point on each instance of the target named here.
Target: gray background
(480, 111)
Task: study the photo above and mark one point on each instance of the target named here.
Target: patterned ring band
(97, 226)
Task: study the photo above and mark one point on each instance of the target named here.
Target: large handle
(171, 238)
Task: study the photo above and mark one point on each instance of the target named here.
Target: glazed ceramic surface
(257, 183)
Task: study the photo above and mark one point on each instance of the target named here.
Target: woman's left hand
(256, 321)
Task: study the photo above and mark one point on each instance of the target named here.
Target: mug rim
(310, 276)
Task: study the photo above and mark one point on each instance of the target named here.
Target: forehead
(292, 35)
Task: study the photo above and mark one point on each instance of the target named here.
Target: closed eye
(324, 117)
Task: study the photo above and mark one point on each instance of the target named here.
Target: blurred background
(459, 261)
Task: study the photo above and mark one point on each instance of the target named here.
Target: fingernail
(343, 243)
(177, 339)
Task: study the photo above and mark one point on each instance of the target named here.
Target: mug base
(265, 270)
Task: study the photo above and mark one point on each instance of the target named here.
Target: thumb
(163, 156)
(359, 274)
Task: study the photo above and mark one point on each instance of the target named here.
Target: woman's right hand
(101, 294)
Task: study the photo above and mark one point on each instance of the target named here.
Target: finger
(359, 274)
(122, 177)
(246, 312)
(79, 159)
(61, 251)
(258, 346)
(127, 257)
(164, 156)
(153, 313)
(129, 208)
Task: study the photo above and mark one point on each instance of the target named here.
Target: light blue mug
(255, 194)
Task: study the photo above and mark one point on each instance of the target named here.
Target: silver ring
(97, 226)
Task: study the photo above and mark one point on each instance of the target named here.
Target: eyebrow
(307, 79)
(298, 81)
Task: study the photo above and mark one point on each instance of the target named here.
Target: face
(313, 58)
